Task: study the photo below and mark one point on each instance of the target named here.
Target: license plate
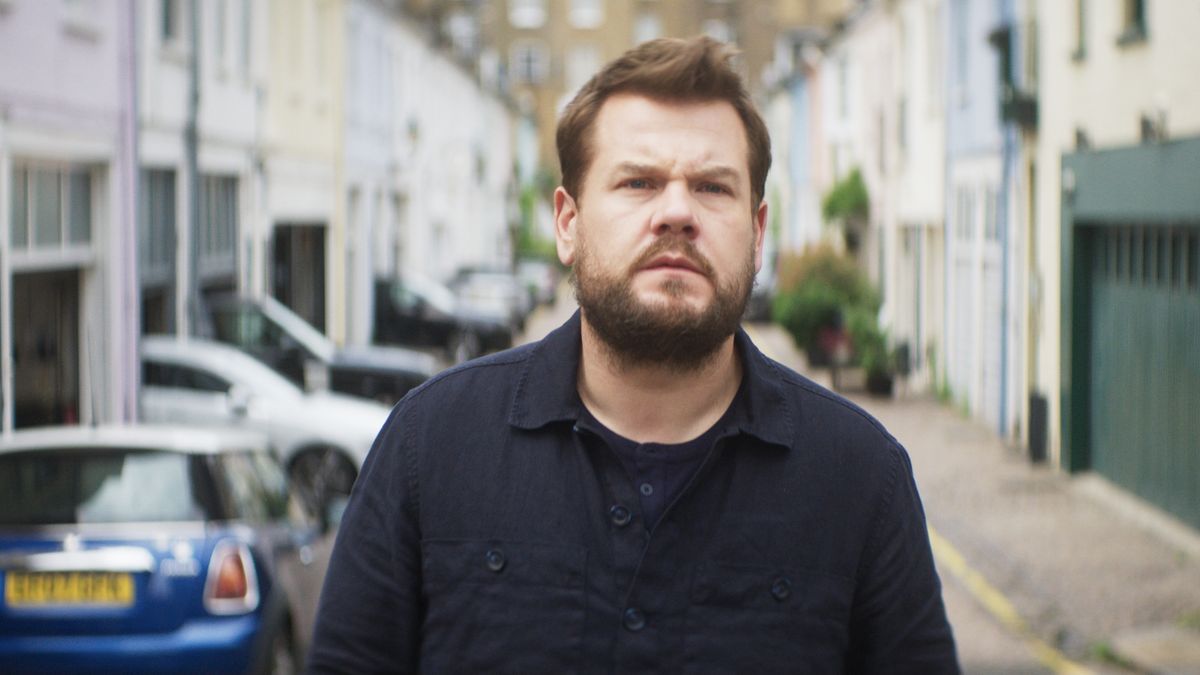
(46, 589)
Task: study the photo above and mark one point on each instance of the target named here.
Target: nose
(676, 212)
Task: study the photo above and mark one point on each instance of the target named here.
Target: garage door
(1144, 357)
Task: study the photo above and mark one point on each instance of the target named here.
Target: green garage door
(1144, 358)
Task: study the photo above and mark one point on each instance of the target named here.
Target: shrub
(847, 199)
(816, 291)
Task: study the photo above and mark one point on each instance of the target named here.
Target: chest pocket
(499, 606)
(778, 620)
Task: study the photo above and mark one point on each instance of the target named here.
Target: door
(45, 348)
(298, 271)
(1144, 362)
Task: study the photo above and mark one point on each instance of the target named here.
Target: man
(642, 490)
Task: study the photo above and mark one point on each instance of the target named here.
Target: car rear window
(71, 486)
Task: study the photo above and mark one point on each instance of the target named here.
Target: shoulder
(827, 422)
(484, 377)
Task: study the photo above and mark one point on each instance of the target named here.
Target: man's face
(664, 239)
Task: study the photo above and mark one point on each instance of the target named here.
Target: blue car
(153, 549)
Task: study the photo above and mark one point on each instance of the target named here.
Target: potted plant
(877, 359)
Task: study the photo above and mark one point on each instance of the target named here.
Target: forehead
(679, 134)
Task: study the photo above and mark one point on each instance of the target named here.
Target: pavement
(1043, 572)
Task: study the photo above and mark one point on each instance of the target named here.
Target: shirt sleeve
(899, 623)
(368, 619)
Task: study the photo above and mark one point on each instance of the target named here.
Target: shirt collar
(547, 391)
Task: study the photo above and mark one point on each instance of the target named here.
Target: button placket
(633, 619)
(781, 588)
(495, 559)
(620, 515)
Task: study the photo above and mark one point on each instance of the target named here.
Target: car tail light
(231, 587)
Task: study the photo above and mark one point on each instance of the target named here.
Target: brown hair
(666, 69)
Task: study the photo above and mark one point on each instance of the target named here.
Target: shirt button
(647, 489)
(495, 559)
(634, 620)
(781, 588)
(620, 515)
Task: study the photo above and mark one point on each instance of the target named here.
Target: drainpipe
(1008, 132)
(129, 282)
(191, 142)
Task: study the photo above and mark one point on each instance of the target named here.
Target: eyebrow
(709, 173)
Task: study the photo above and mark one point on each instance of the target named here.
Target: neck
(649, 403)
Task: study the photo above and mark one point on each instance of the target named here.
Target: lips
(673, 262)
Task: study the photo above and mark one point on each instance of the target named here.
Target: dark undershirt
(659, 471)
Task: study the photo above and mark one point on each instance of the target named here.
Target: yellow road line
(997, 605)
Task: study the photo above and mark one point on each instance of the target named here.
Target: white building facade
(67, 329)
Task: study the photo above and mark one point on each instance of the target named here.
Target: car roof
(224, 360)
(171, 438)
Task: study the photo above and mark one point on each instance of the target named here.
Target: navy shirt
(659, 470)
(484, 533)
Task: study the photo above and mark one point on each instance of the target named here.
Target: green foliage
(818, 289)
(529, 243)
(870, 343)
(847, 199)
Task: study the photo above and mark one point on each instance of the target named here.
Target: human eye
(636, 183)
(714, 188)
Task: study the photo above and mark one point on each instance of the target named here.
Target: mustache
(679, 247)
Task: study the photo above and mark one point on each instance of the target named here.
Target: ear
(760, 234)
(566, 215)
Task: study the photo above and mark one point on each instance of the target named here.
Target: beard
(669, 333)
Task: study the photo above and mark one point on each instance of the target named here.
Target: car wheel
(322, 475)
(464, 347)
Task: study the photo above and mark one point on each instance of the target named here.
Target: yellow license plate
(42, 589)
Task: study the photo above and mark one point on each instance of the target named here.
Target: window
(94, 485)
(966, 214)
(19, 208)
(586, 13)
(156, 226)
(1134, 26)
(181, 377)
(991, 215)
(582, 62)
(82, 17)
(171, 21)
(647, 26)
(527, 13)
(217, 234)
(47, 207)
(528, 61)
(50, 207)
(1080, 30)
(463, 30)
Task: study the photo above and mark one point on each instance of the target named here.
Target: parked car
(152, 550)
(495, 291)
(270, 332)
(321, 437)
(419, 312)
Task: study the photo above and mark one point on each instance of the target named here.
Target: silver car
(320, 437)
